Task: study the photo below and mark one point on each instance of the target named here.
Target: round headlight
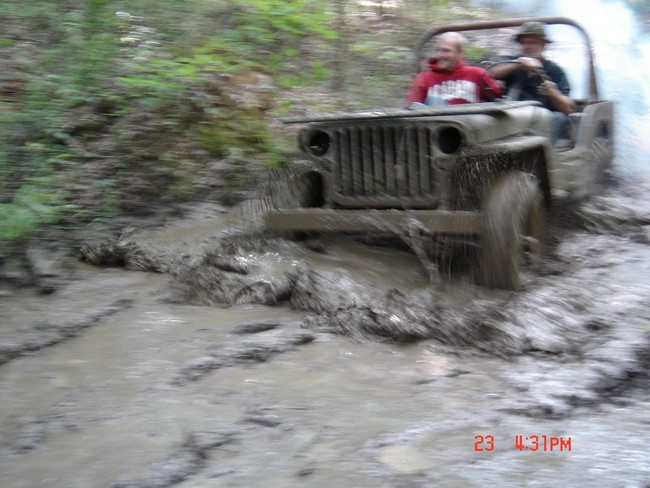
(317, 142)
(450, 139)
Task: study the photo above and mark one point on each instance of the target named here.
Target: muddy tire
(513, 231)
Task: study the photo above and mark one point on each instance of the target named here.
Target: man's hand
(545, 88)
(529, 64)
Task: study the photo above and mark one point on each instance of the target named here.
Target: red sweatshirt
(465, 84)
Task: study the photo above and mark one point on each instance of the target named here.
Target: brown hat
(532, 29)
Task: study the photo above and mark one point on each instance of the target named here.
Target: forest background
(110, 107)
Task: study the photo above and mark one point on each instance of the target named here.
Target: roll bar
(511, 22)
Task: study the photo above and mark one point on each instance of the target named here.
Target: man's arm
(505, 69)
(490, 88)
(559, 100)
(417, 93)
(557, 89)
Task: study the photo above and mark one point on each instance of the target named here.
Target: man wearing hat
(532, 77)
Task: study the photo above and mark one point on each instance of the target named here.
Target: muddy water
(360, 373)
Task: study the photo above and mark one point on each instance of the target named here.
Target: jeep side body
(486, 171)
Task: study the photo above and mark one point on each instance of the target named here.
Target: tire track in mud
(201, 454)
(48, 334)
(245, 353)
(189, 458)
(28, 433)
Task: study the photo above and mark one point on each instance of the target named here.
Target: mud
(47, 334)
(567, 319)
(185, 461)
(245, 353)
(232, 271)
(201, 351)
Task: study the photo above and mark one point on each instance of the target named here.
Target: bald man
(451, 80)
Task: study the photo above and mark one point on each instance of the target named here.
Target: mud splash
(560, 314)
(554, 314)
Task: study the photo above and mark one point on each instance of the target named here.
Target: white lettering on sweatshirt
(453, 89)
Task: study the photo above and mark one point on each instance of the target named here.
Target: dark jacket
(527, 84)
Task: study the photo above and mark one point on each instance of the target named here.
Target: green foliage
(217, 55)
(235, 130)
(153, 84)
(32, 207)
(279, 22)
(262, 35)
(78, 49)
(267, 35)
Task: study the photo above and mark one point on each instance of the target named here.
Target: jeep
(481, 172)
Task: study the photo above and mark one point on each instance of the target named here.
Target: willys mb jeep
(481, 171)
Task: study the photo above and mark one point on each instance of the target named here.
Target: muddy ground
(200, 351)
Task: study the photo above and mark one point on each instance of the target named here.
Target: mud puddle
(244, 361)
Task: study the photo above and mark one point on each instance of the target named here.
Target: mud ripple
(48, 334)
(28, 433)
(188, 459)
(244, 353)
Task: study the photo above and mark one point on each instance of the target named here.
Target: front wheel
(513, 230)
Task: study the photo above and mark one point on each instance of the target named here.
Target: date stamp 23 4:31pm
(532, 443)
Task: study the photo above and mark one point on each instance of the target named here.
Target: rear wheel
(513, 230)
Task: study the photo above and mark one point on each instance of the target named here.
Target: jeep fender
(529, 154)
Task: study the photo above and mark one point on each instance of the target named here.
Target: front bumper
(330, 220)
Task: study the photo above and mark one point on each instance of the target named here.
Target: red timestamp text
(483, 443)
(532, 443)
(544, 443)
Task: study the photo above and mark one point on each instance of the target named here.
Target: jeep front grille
(385, 163)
